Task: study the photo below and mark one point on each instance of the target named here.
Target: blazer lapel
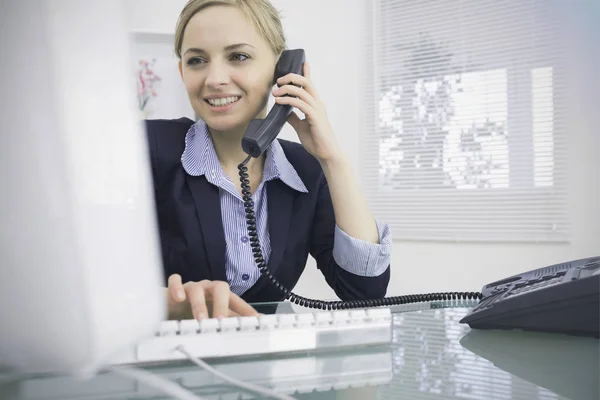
(206, 198)
(280, 205)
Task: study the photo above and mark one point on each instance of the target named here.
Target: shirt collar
(200, 158)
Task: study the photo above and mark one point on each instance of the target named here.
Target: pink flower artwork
(147, 81)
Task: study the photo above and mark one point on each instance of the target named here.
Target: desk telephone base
(560, 298)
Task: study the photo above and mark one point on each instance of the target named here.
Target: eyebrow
(227, 48)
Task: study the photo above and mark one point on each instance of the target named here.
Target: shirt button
(245, 277)
(244, 239)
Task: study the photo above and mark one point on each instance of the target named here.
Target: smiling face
(227, 68)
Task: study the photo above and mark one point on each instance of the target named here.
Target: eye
(239, 57)
(193, 61)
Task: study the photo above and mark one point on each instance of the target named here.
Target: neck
(228, 146)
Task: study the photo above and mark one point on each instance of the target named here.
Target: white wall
(156, 16)
(333, 34)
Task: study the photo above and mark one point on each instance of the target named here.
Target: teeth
(223, 102)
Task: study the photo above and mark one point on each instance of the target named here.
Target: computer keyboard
(279, 333)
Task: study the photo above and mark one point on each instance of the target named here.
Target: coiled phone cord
(319, 304)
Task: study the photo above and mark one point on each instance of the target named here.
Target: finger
(197, 298)
(296, 92)
(176, 288)
(239, 306)
(295, 102)
(295, 79)
(298, 80)
(220, 299)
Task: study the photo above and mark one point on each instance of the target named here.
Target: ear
(275, 77)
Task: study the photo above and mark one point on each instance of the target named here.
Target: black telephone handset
(261, 132)
(511, 303)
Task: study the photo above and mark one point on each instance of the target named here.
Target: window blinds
(465, 135)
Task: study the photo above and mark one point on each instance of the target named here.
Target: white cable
(233, 381)
(156, 381)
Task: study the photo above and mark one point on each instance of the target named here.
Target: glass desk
(432, 356)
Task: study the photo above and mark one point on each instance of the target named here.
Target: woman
(307, 200)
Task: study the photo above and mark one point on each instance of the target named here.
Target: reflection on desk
(301, 373)
(433, 356)
(431, 361)
(564, 365)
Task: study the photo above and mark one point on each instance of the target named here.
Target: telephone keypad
(524, 288)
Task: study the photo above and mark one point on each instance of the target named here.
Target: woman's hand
(204, 299)
(352, 214)
(314, 131)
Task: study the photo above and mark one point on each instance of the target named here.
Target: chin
(224, 123)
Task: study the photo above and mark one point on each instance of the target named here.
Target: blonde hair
(261, 14)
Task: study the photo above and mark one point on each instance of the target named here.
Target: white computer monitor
(79, 258)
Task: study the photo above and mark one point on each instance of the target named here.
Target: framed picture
(161, 93)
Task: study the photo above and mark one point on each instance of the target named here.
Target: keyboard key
(305, 319)
(229, 324)
(249, 323)
(268, 322)
(168, 328)
(189, 327)
(323, 318)
(357, 315)
(379, 314)
(209, 325)
(286, 320)
(341, 317)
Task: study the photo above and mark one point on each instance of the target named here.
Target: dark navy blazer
(191, 231)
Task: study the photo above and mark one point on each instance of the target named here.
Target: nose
(217, 75)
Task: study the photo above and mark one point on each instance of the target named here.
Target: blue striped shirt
(200, 159)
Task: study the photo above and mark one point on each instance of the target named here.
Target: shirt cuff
(361, 257)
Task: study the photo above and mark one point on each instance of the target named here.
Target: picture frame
(160, 90)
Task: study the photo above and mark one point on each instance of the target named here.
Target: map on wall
(161, 93)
